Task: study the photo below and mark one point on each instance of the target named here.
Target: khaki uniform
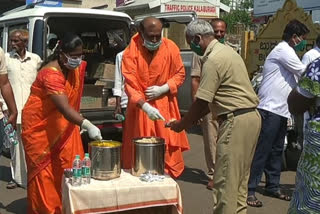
(225, 85)
(209, 126)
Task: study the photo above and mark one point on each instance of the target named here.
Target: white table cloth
(124, 193)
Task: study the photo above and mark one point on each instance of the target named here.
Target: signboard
(46, 3)
(202, 9)
(123, 2)
(269, 7)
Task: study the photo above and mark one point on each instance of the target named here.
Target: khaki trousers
(209, 127)
(237, 139)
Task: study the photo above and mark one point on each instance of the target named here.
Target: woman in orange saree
(50, 117)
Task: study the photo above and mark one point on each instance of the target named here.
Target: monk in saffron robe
(50, 133)
(153, 71)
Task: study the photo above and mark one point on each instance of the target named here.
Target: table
(126, 193)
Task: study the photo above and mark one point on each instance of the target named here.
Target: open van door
(174, 25)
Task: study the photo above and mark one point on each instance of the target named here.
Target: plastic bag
(10, 138)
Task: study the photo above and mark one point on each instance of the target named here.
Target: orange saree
(142, 69)
(50, 141)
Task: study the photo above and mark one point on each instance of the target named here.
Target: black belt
(236, 113)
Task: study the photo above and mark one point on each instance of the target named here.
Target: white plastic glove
(155, 91)
(93, 131)
(152, 112)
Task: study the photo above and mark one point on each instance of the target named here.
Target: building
(205, 9)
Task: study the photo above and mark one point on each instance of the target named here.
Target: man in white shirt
(22, 69)
(7, 94)
(118, 90)
(313, 53)
(280, 71)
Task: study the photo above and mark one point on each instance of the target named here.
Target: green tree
(239, 15)
(246, 4)
(226, 2)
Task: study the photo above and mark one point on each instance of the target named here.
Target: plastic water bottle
(10, 139)
(86, 169)
(76, 171)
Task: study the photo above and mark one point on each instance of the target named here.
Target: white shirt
(311, 55)
(21, 74)
(118, 89)
(3, 70)
(279, 71)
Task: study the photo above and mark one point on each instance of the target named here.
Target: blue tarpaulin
(46, 3)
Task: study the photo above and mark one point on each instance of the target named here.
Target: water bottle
(76, 171)
(10, 139)
(86, 169)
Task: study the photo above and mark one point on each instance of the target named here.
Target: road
(196, 198)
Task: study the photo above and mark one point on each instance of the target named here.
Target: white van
(104, 34)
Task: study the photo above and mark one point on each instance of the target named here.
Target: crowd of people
(243, 132)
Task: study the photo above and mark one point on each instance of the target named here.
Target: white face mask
(151, 46)
(73, 63)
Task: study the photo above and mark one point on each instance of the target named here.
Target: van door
(174, 28)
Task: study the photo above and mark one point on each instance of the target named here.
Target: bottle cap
(86, 154)
(77, 156)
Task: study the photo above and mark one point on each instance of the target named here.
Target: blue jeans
(1, 135)
(268, 154)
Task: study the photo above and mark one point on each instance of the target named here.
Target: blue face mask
(73, 63)
(151, 46)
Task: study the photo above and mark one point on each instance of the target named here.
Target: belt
(236, 113)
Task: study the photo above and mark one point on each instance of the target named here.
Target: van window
(103, 38)
(14, 27)
(176, 32)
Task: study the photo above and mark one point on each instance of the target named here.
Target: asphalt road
(196, 198)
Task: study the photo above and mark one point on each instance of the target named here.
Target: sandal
(210, 185)
(11, 185)
(252, 201)
(278, 195)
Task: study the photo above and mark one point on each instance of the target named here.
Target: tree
(240, 15)
(226, 2)
(246, 4)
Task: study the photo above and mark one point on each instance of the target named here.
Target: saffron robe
(142, 69)
(50, 141)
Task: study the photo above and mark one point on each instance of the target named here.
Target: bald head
(150, 29)
(150, 22)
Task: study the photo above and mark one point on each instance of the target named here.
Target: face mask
(151, 46)
(221, 40)
(196, 48)
(73, 63)
(301, 45)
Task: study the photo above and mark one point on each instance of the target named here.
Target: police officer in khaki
(225, 90)
(209, 123)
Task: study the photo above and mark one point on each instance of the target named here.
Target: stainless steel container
(105, 159)
(148, 155)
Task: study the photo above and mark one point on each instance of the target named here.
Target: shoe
(278, 194)
(252, 201)
(12, 185)
(210, 185)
